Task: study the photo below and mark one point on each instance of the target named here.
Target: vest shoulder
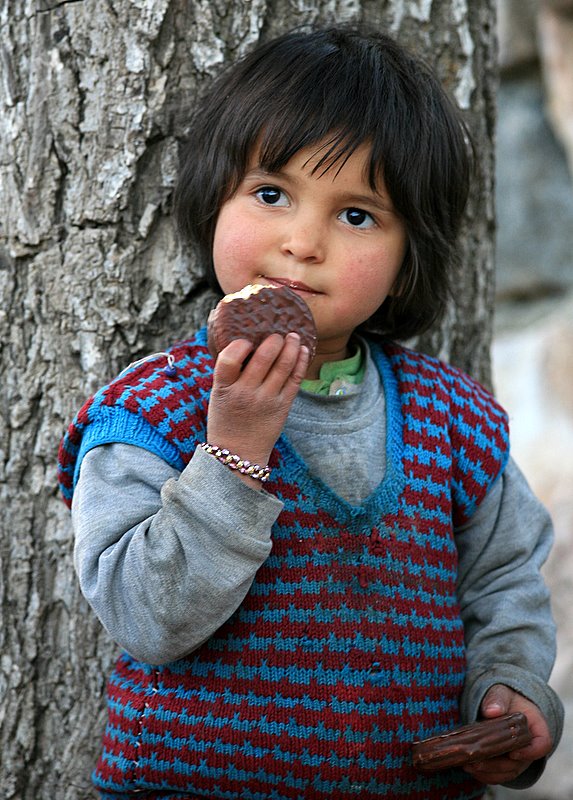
(158, 402)
(185, 367)
(425, 373)
(438, 396)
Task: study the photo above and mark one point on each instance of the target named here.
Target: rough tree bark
(91, 277)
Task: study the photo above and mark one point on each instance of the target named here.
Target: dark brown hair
(351, 87)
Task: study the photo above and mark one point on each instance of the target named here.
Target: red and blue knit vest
(349, 645)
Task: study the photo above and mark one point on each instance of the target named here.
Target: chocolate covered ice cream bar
(471, 743)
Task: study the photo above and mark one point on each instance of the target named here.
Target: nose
(304, 240)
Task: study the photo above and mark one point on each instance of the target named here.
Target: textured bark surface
(91, 277)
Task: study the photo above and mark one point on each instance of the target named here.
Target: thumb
(496, 701)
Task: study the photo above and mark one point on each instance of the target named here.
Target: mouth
(296, 286)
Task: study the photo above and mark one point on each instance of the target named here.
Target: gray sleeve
(164, 558)
(505, 604)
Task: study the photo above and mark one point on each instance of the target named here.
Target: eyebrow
(381, 201)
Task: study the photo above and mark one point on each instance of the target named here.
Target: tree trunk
(92, 277)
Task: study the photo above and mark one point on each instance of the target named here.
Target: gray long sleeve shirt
(165, 558)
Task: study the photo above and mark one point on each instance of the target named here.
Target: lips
(296, 286)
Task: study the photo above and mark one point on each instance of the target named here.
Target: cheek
(369, 280)
(366, 282)
(234, 249)
(228, 238)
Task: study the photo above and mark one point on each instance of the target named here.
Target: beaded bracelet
(234, 461)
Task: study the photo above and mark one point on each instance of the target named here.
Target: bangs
(324, 94)
(338, 89)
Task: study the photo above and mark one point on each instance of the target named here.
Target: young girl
(292, 639)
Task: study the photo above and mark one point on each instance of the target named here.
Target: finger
(501, 764)
(539, 747)
(496, 770)
(497, 701)
(281, 372)
(230, 362)
(263, 360)
(302, 365)
(297, 374)
(529, 753)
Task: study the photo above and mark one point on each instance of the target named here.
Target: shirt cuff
(253, 511)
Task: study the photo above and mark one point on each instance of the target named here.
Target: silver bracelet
(233, 461)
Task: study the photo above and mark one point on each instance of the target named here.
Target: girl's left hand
(500, 699)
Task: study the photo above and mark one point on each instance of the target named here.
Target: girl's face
(328, 236)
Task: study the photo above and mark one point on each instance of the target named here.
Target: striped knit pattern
(349, 645)
(166, 414)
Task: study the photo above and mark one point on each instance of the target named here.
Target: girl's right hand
(250, 402)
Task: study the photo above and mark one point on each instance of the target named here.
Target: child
(292, 639)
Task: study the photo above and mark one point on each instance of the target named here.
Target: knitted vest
(349, 645)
